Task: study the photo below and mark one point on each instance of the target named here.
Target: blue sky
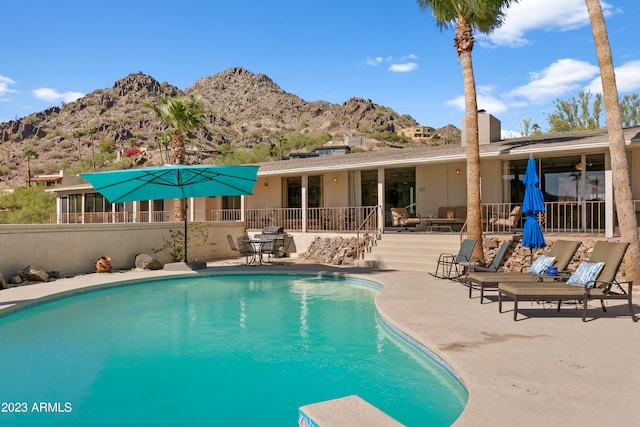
(387, 51)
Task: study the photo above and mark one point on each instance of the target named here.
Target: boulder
(33, 274)
(3, 283)
(147, 262)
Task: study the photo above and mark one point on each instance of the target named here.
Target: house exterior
(418, 132)
(345, 193)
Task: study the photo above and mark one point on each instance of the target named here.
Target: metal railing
(559, 217)
(289, 218)
(368, 225)
(339, 219)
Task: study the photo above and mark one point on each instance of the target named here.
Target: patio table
(444, 223)
(258, 248)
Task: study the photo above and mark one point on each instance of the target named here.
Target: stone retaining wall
(520, 256)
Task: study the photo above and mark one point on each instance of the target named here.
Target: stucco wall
(336, 193)
(439, 185)
(74, 249)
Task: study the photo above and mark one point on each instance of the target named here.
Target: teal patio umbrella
(173, 182)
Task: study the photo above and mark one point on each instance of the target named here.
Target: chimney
(489, 128)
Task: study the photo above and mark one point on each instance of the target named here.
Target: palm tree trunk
(177, 142)
(464, 44)
(619, 166)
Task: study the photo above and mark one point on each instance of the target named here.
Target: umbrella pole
(184, 203)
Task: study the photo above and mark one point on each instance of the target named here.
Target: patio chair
(496, 263)
(508, 223)
(246, 249)
(595, 279)
(448, 264)
(559, 255)
(400, 218)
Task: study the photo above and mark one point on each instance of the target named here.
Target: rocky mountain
(113, 125)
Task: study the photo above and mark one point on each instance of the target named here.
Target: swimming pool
(213, 350)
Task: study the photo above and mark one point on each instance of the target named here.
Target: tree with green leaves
(576, 114)
(27, 206)
(619, 167)
(630, 109)
(181, 115)
(468, 16)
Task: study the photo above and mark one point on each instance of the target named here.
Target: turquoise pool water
(213, 350)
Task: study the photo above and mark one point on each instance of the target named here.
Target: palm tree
(91, 131)
(79, 134)
(182, 115)
(29, 153)
(467, 16)
(619, 167)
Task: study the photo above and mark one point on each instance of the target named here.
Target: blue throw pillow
(585, 274)
(541, 264)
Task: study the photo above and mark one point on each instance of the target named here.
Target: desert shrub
(27, 206)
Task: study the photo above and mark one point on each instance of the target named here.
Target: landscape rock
(147, 262)
(3, 283)
(31, 274)
(337, 250)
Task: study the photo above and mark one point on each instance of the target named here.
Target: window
(315, 191)
(292, 192)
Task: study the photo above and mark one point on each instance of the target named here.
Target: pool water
(213, 350)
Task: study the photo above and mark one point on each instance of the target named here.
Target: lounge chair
(496, 263)
(400, 218)
(449, 265)
(559, 255)
(508, 223)
(591, 280)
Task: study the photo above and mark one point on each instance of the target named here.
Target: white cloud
(404, 64)
(4, 83)
(51, 95)
(627, 79)
(485, 99)
(530, 15)
(403, 68)
(561, 77)
(374, 62)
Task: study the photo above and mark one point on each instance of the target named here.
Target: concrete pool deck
(547, 369)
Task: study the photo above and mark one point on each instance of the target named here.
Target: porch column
(134, 208)
(381, 203)
(150, 211)
(608, 203)
(82, 210)
(242, 210)
(58, 209)
(305, 202)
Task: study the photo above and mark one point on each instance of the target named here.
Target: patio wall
(74, 249)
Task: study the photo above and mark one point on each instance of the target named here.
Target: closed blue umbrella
(532, 205)
(173, 182)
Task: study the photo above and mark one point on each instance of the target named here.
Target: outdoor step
(410, 251)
